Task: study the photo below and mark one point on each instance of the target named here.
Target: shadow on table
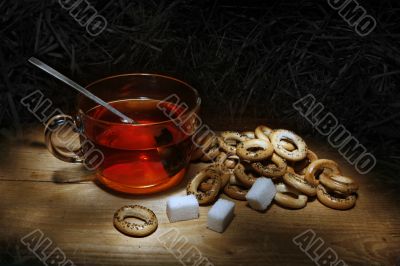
(72, 174)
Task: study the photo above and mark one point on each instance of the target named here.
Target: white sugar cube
(261, 194)
(220, 215)
(181, 208)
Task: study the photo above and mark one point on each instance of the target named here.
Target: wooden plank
(28, 159)
(78, 219)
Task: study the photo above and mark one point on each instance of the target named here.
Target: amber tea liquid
(139, 159)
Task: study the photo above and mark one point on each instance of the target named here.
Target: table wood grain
(75, 213)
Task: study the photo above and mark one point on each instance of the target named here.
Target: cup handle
(53, 128)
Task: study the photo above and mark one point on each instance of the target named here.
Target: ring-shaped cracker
(335, 202)
(295, 155)
(339, 183)
(209, 195)
(247, 179)
(265, 150)
(318, 165)
(263, 132)
(235, 192)
(301, 166)
(297, 181)
(133, 229)
(271, 170)
(227, 139)
(288, 201)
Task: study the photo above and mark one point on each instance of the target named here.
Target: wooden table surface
(40, 192)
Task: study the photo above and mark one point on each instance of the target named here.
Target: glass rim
(187, 113)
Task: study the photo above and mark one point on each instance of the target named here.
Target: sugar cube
(261, 194)
(181, 208)
(220, 215)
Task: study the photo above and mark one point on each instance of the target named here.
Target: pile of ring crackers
(239, 159)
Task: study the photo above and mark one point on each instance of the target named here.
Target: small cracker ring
(297, 182)
(246, 179)
(134, 229)
(233, 180)
(288, 201)
(263, 132)
(242, 150)
(248, 134)
(287, 145)
(224, 141)
(313, 167)
(335, 202)
(206, 185)
(282, 134)
(209, 195)
(310, 157)
(339, 183)
(230, 161)
(223, 172)
(276, 170)
(235, 192)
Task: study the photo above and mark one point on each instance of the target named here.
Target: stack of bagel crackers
(238, 159)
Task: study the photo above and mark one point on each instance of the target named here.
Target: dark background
(250, 61)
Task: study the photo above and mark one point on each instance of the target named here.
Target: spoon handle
(79, 88)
